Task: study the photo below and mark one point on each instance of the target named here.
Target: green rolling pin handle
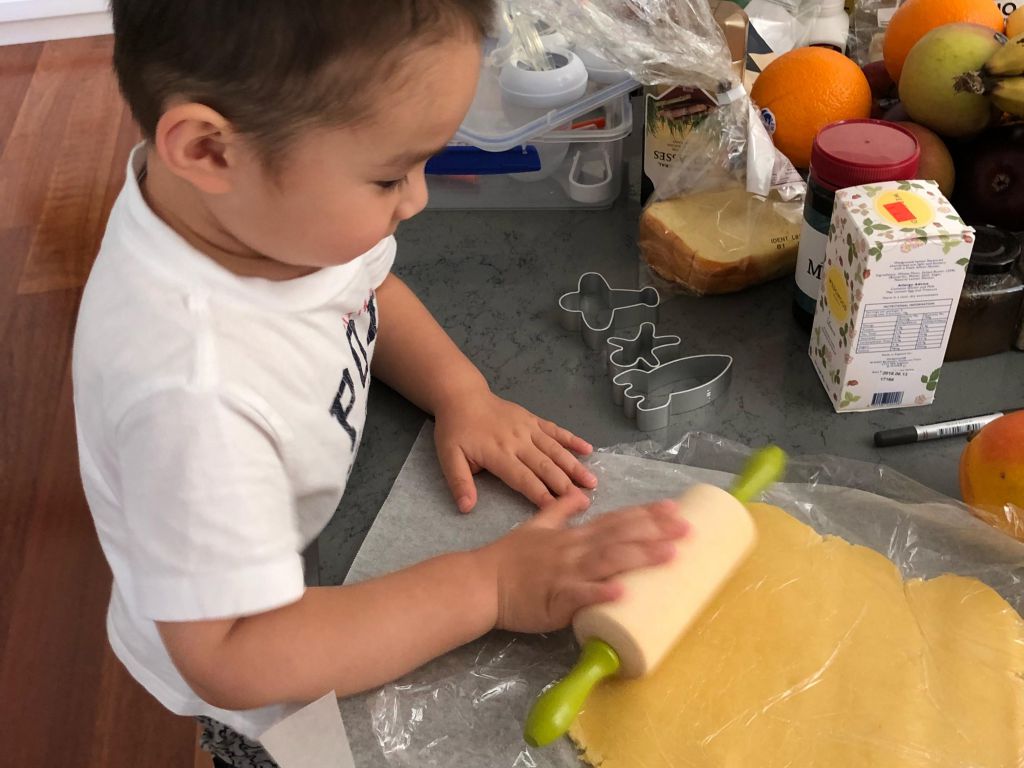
(761, 471)
(556, 708)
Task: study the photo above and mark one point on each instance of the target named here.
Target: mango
(992, 474)
(936, 162)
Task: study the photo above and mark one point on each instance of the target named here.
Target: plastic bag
(868, 22)
(783, 24)
(703, 135)
(655, 41)
(468, 708)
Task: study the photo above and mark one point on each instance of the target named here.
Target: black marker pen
(905, 435)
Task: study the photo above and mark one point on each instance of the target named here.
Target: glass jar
(989, 310)
(845, 154)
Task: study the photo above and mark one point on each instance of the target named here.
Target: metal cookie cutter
(645, 351)
(597, 310)
(654, 396)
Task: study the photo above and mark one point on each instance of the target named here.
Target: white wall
(27, 21)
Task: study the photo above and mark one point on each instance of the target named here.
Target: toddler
(240, 301)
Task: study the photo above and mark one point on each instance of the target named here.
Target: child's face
(339, 191)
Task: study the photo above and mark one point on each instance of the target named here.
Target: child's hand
(545, 572)
(531, 455)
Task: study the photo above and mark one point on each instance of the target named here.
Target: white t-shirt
(218, 419)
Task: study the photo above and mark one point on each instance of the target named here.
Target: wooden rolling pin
(631, 636)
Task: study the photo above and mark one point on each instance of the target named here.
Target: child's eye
(391, 184)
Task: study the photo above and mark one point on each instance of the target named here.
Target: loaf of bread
(720, 242)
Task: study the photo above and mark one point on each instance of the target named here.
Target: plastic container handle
(462, 161)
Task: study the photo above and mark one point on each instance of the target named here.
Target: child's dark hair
(274, 67)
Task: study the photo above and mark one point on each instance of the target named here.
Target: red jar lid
(853, 152)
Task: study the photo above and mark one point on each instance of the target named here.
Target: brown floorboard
(17, 65)
(66, 701)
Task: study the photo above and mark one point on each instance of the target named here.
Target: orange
(804, 90)
(992, 474)
(915, 18)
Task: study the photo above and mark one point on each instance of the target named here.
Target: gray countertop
(492, 280)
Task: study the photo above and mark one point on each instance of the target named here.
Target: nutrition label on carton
(907, 327)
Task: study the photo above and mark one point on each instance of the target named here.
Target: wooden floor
(64, 699)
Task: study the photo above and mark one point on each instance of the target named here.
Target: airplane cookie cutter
(598, 311)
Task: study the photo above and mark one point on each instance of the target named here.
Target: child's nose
(415, 198)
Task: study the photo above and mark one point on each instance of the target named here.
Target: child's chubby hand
(480, 430)
(544, 572)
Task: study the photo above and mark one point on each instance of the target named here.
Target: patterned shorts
(231, 747)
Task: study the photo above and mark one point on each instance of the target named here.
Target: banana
(1008, 95)
(1008, 61)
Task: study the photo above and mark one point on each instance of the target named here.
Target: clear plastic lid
(496, 125)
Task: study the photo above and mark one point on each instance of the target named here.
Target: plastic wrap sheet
(1008, 518)
(655, 41)
(468, 707)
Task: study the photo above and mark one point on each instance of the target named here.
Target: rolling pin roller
(631, 636)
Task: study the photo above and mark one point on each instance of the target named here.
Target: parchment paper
(467, 708)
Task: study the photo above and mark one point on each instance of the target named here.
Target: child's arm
(475, 428)
(350, 639)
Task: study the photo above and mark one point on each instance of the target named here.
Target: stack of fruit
(949, 75)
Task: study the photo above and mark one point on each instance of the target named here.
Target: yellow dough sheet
(817, 653)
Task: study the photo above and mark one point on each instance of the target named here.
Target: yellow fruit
(1008, 60)
(804, 90)
(1015, 23)
(1008, 95)
(915, 18)
(992, 474)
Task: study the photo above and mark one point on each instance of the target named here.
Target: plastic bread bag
(917, 705)
(725, 212)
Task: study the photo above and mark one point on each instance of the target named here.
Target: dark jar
(845, 154)
(990, 302)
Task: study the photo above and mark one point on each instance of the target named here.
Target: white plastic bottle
(831, 26)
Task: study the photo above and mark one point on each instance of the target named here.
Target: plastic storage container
(570, 167)
(509, 156)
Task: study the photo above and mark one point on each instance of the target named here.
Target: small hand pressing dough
(817, 653)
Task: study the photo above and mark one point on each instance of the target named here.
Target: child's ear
(198, 144)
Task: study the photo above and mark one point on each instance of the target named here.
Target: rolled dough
(817, 653)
